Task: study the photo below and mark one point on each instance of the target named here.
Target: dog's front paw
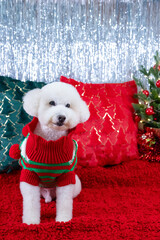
(29, 221)
(63, 219)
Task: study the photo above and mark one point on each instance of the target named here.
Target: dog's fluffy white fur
(59, 107)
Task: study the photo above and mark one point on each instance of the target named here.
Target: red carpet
(119, 202)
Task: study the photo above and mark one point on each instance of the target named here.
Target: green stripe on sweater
(47, 177)
(49, 171)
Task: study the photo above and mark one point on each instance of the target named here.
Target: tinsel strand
(89, 40)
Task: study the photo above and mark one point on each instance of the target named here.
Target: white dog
(58, 108)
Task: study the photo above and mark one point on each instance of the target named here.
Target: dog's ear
(31, 102)
(84, 111)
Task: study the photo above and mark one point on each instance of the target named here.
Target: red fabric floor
(119, 202)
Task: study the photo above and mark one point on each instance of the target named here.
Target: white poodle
(56, 108)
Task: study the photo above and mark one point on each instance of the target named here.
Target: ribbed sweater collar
(50, 152)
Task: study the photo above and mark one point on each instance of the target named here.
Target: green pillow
(12, 117)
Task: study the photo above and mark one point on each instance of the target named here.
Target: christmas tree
(9, 130)
(1, 146)
(23, 117)
(4, 86)
(147, 110)
(18, 94)
(6, 106)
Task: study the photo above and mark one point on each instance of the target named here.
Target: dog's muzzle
(61, 119)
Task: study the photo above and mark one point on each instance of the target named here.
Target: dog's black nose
(61, 119)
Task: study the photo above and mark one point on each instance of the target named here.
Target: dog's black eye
(52, 103)
(68, 105)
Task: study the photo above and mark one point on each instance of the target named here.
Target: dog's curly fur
(58, 107)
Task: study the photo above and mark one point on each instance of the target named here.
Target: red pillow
(110, 135)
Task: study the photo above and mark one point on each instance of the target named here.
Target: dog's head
(56, 105)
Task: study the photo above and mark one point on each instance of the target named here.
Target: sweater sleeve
(29, 177)
(66, 179)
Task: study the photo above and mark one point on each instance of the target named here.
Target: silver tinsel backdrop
(88, 40)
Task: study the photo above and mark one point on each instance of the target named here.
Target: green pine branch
(138, 82)
(141, 96)
(157, 58)
(153, 124)
(154, 72)
(153, 99)
(144, 71)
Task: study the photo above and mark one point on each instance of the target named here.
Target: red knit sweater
(50, 162)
